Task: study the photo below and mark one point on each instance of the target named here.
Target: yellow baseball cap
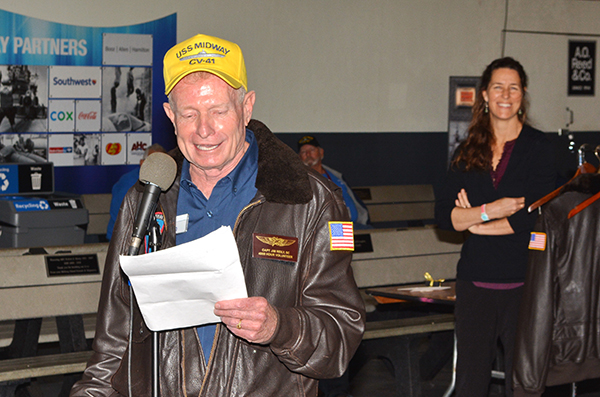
(203, 53)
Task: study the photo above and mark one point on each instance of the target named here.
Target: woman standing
(503, 166)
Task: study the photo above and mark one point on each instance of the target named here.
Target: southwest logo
(113, 149)
(72, 81)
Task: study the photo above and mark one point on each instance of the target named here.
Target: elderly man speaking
(304, 317)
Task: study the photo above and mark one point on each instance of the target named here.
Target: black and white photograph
(126, 99)
(23, 148)
(23, 98)
(457, 132)
(86, 149)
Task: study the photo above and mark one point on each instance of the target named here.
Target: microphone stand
(153, 245)
(157, 174)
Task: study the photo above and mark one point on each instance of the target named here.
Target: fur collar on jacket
(282, 177)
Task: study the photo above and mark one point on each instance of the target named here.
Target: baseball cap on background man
(308, 140)
(203, 53)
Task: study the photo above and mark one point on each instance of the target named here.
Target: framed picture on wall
(461, 98)
(465, 96)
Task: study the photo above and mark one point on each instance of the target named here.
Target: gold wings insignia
(275, 241)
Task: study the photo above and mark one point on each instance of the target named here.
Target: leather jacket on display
(320, 312)
(558, 336)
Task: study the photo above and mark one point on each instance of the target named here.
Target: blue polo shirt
(229, 196)
(347, 199)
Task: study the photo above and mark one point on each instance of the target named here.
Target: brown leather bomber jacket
(557, 339)
(321, 314)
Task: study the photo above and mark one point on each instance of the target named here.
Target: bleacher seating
(398, 205)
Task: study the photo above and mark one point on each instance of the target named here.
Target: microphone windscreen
(159, 169)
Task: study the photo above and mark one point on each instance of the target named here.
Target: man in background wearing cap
(304, 317)
(312, 154)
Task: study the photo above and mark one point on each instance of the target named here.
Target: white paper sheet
(178, 287)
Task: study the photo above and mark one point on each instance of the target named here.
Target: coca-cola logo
(87, 116)
(113, 148)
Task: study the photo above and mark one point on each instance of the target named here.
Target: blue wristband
(484, 215)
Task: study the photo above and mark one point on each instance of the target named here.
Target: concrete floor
(375, 380)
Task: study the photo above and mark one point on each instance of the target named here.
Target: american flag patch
(537, 241)
(341, 236)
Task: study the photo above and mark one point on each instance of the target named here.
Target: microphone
(158, 173)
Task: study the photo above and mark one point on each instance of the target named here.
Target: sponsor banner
(127, 49)
(30, 41)
(87, 115)
(60, 149)
(61, 115)
(114, 149)
(75, 82)
(137, 144)
(42, 61)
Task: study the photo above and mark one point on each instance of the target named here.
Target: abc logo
(138, 146)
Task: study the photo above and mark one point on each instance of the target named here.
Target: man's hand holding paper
(179, 286)
(253, 319)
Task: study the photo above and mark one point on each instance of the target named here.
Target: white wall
(545, 57)
(368, 65)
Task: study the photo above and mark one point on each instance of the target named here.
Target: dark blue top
(531, 173)
(347, 199)
(229, 196)
(118, 194)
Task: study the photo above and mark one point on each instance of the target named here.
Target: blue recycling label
(9, 179)
(32, 205)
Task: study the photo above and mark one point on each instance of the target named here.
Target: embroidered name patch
(341, 236)
(537, 241)
(268, 246)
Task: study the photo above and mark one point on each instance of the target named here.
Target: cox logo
(61, 116)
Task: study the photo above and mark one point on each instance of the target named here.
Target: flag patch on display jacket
(537, 241)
